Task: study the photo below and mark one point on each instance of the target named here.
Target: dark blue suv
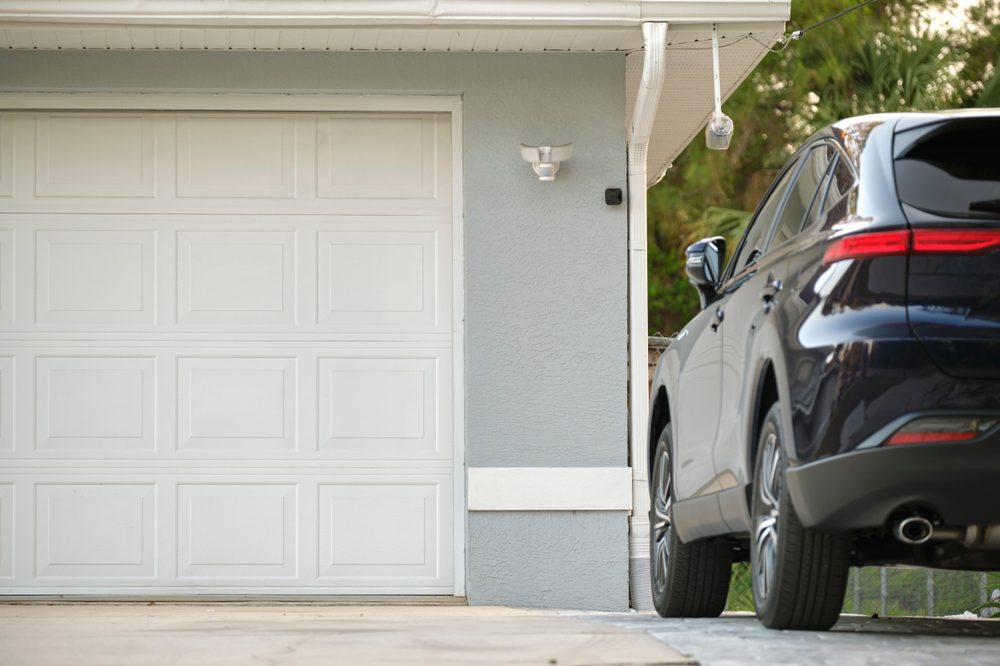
(837, 400)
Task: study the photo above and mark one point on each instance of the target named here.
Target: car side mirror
(704, 266)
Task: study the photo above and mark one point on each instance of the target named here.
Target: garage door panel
(6, 155)
(384, 279)
(6, 277)
(6, 530)
(237, 530)
(6, 403)
(88, 530)
(95, 277)
(379, 157)
(236, 277)
(385, 406)
(380, 534)
(237, 405)
(95, 403)
(236, 156)
(95, 155)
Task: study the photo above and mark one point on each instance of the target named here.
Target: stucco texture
(545, 267)
(549, 559)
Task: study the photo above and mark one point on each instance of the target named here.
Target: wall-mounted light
(719, 130)
(545, 160)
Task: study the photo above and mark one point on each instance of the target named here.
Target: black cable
(798, 33)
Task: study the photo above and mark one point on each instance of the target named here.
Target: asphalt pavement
(740, 640)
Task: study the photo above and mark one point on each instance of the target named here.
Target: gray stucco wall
(546, 272)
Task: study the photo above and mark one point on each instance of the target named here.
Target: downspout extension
(644, 113)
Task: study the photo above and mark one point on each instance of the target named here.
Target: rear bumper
(957, 481)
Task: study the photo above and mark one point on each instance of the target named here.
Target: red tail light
(942, 429)
(865, 246)
(955, 241)
(919, 241)
(925, 437)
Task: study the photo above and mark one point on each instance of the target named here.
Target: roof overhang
(345, 25)
(748, 27)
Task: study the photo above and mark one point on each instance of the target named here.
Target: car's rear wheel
(798, 575)
(688, 579)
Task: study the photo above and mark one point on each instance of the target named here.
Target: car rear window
(952, 169)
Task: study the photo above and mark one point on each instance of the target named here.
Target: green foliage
(882, 58)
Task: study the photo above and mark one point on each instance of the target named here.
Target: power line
(781, 44)
(798, 33)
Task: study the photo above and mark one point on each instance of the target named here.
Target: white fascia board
(484, 13)
(549, 489)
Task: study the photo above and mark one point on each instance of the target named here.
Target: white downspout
(646, 102)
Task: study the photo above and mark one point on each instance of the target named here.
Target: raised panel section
(237, 530)
(244, 156)
(6, 403)
(236, 277)
(95, 277)
(379, 278)
(236, 404)
(377, 157)
(95, 403)
(6, 156)
(381, 533)
(6, 530)
(383, 408)
(6, 276)
(94, 155)
(101, 530)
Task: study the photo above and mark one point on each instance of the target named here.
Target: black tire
(688, 579)
(799, 575)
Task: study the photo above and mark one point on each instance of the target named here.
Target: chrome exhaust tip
(914, 530)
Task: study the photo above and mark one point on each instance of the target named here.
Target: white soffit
(358, 25)
(43, 36)
(687, 100)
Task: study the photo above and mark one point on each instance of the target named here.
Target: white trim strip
(550, 488)
(210, 13)
(228, 102)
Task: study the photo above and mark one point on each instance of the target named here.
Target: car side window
(840, 184)
(803, 193)
(755, 239)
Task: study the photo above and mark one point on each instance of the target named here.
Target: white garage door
(226, 353)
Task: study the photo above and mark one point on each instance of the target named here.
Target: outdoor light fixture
(545, 160)
(719, 130)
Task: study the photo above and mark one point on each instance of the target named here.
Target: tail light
(941, 429)
(919, 241)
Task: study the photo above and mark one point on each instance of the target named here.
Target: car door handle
(771, 289)
(717, 319)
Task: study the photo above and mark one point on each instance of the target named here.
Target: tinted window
(952, 170)
(802, 194)
(841, 182)
(755, 239)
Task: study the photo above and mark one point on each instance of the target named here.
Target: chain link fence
(898, 591)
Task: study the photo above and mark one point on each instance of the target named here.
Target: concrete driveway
(206, 635)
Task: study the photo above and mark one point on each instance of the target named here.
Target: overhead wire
(780, 45)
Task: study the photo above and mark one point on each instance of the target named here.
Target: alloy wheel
(767, 518)
(661, 519)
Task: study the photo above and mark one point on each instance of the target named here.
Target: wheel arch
(765, 394)
(659, 417)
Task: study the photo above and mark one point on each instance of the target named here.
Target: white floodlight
(545, 160)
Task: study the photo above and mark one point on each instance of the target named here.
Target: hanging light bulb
(719, 130)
